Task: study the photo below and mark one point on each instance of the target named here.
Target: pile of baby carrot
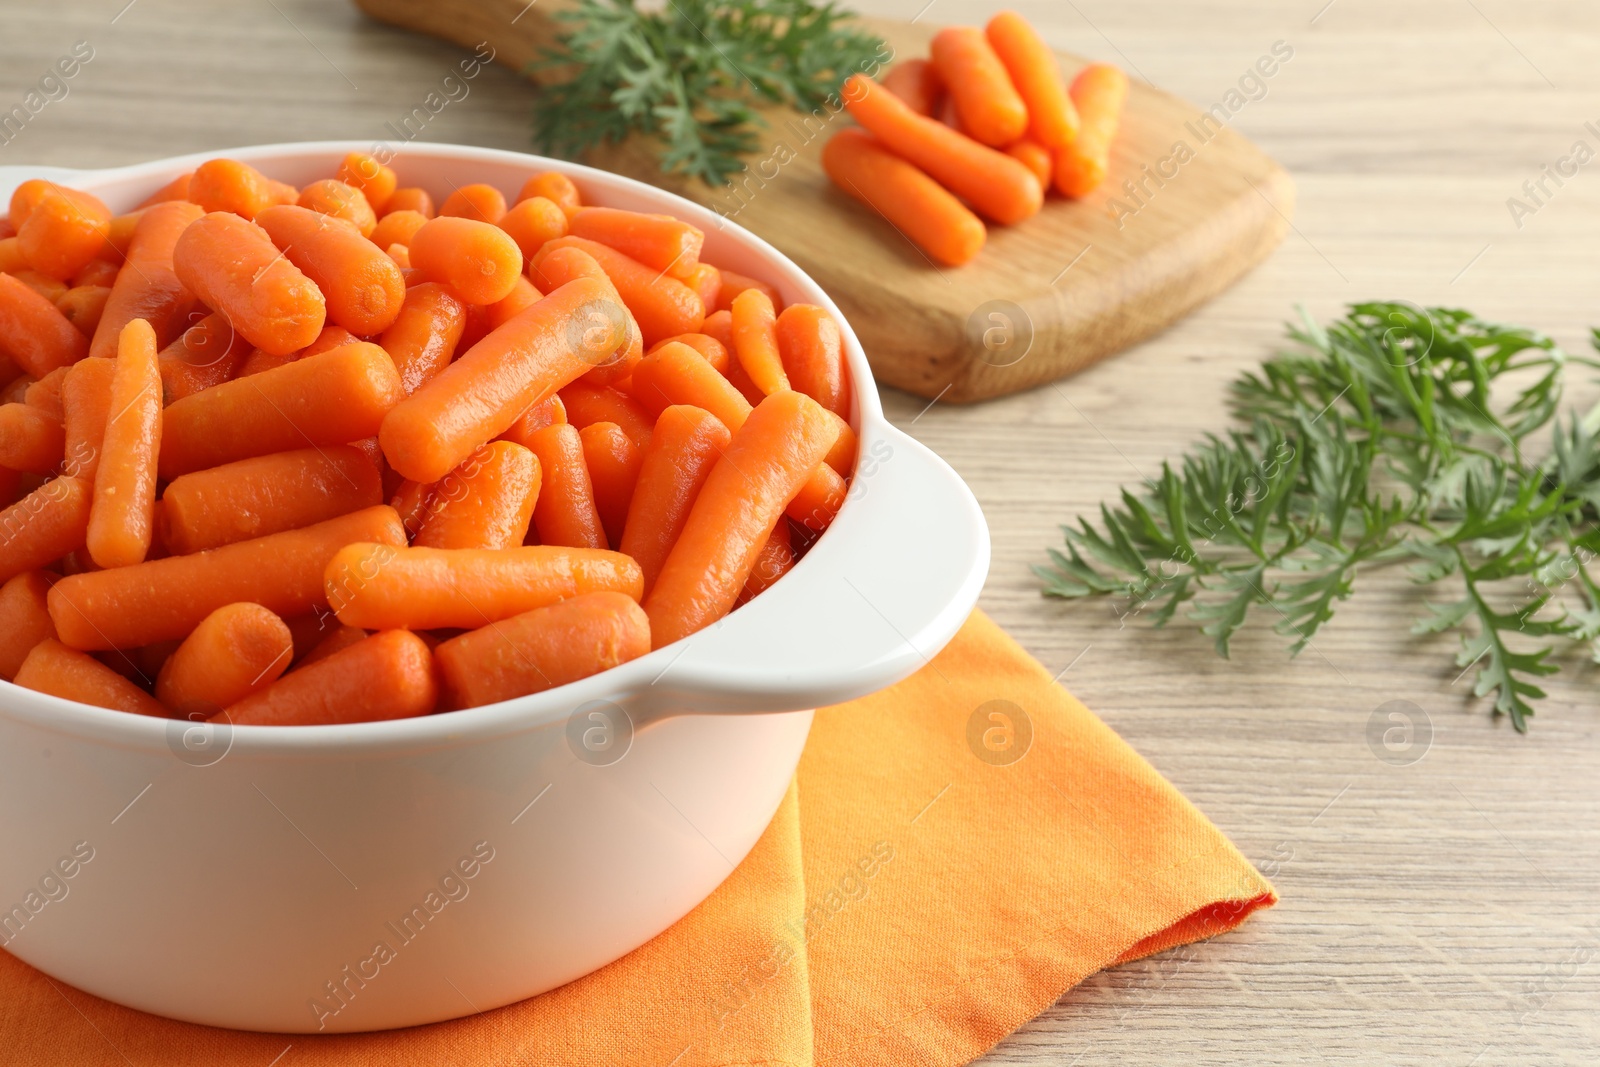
(327, 455)
(984, 127)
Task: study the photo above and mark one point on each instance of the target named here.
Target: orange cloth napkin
(954, 854)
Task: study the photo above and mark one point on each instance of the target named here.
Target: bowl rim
(469, 725)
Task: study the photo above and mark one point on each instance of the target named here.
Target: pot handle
(878, 595)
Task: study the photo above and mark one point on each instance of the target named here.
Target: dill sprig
(1396, 435)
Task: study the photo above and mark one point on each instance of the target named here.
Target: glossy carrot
(772, 562)
(52, 289)
(532, 222)
(910, 200)
(31, 440)
(612, 460)
(376, 587)
(990, 107)
(85, 406)
(916, 81)
(818, 499)
(584, 404)
(991, 181)
(523, 296)
(376, 181)
(340, 639)
(661, 304)
(734, 283)
(362, 286)
(330, 338)
(1052, 117)
(677, 374)
(45, 525)
(209, 353)
(424, 336)
(397, 228)
(665, 244)
(755, 341)
(84, 306)
(234, 268)
(562, 265)
(686, 444)
(565, 514)
(812, 349)
(266, 495)
(45, 394)
(236, 650)
(479, 396)
(64, 231)
(1099, 91)
(842, 456)
(769, 460)
(479, 261)
(231, 186)
(402, 259)
(547, 412)
(119, 238)
(326, 399)
(164, 599)
(706, 281)
(24, 618)
(477, 201)
(487, 502)
(553, 186)
(11, 258)
(121, 517)
(339, 200)
(51, 667)
(1036, 157)
(33, 332)
(542, 649)
(410, 501)
(411, 199)
(101, 271)
(719, 324)
(714, 351)
(387, 676)
(176, 189)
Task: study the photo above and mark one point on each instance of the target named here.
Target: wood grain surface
(1077, 283)
(1440, 913)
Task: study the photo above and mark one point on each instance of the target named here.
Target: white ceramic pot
(387, 874)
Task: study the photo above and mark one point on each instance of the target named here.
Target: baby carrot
(532, 222)
(208, 353)
(813, 355)
(910, 200)
(1036, 157)
(45, 394)
(479, 261)
(362, 286)
(330, 338)
(668, 245)
(487, 502)
(770, 458)
(990, 107)
(523, 296)
(565, 512)
(584, 404)
(377, 587)
(125, 480)
(661, 304)
(819, 499)
(53, 668)
(234, 268)
(991, 181)
(686, 444)
(387, 676)
(341, 201)
(542, 649)
(755, 341)
(31, 440)
(479, 396)
(24, 618)
(397, 228)
(410, 199)
(340, 639)
(476, 201)
(11, 258)
(232, 186)
(713, 350)
(64, 231)
(85, 405)
(1052, 118)
(84, 306)
(33, 332)
(102, 271)
(376, 181)
(237, 650)
(1099, 92)
(706, 281)
(563, 265)
(163, 599)
(547, 412)
(613, 463)
(677, 374)
(326, 399)
(719, 324)
(176, 189)
(52, 289)
(842, 456)
(772, 562)
(916, 81)
(266, 495)
(45, 525)
(553, 186)
(423, 337)
(733, 284)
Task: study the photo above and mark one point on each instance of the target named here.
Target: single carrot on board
(24, 618)
(541, 649)
(991, 109)
(85, 406)
(1036, 157)
(770, 458)
(706, 281)
(1099, 91)
(423, 337)
(612, 459)
(584, 405)
(45, 525)
(149, 289)
(1052, 117)
(121, 518)
(477, 398)
(51, 667)
(772, 562)
(410, 198)
(266, 495)
(209, 353)
(564, 265)
(532, 222)
(376, 181)
(916, 81)
(565, 513)
(669, 245)
(176, 189)
(235, 187)
(376, 587)
(397, 228)
(910, 200)
(64, 231)
(661, 304)
(33, 332)
(338, 200)
(476, 201)
(362, 286)
(686, 444)
(326, 399)
(164, 599)
(479, 261)
(237, 650)
(734, 283)
(812, 348)
(387, 676)
(553, 186)
(31, 440)
(487, 502)
(991, 181)
(84, 306)
(714, 351)
(755, 341)
(234, 268)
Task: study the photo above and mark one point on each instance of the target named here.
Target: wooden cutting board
(1080, 281)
